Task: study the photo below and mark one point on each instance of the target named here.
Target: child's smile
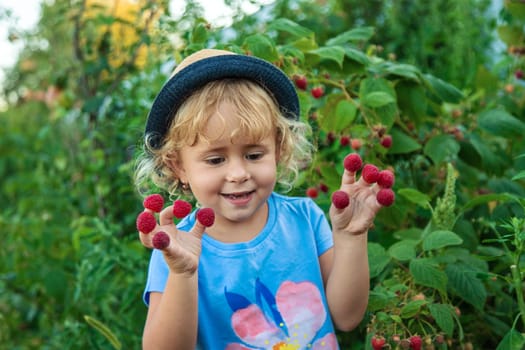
(232, 175)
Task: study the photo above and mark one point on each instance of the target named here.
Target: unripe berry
(356, 144)
(353, 162)
(385, 197)
(206, 216)
(386, 141)
(340, 199)
(160, 240)
(181, 208)
(146, 222)
(301, 82)
(312, 192)
(317, 92)
(370, 173)
(154, 202)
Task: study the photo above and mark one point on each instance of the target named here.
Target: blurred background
(434, 91)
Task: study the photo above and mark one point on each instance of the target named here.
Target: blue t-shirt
(266, 292)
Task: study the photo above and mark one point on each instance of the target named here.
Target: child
(269, 273)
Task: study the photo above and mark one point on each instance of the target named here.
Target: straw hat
(208, 65)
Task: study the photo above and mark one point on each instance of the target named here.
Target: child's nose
(237, 171)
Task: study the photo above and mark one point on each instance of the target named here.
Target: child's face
(234, 177)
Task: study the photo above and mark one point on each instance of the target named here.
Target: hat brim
(181, 85)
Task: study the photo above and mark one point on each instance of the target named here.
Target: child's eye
(214, 160)
(254, 156)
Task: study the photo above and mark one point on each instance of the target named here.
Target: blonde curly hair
(258, 116)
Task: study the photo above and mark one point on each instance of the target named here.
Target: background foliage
(446, 260)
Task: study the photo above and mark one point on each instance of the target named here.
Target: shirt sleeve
(323, 233)
(157, 275)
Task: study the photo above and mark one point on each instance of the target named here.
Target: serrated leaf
(402, 143)
(345, 113)
(441, 148)
(518, 176)
(290, 27)
(445, 91)
(378, 99)
(513, 340)
(356, 55)
(499, 122)
(463, 281)
(333, 53)
(261, 46)
(377, 258)
(442, 313)
(427, 273)
(440, 239)
(412, 308)
(415, 196)
(487, 198)
(403, 250)
(356, 34)
(404, 70)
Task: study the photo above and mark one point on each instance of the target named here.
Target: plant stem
(516, 278)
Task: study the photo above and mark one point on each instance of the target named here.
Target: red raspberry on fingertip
(181, 208)
(340, 199)
(146, 222)
(161, 240)
(206, 216)
(154, 202)
(370, 173)
(385, 197)
(353, 162)
(386, 179)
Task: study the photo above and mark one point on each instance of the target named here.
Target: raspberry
(386, 179)
(312, 192)
(154, 202)
(344, 140)
(415, 342)
(206, 216)
(146, 222)
(378, 342)
(301, 82)
(317, 92)
(340, 199)
(386, 141)
(370, 173)
(161, 240)
(323, 187)
(353, 162)
(181, 208)
(385, 197)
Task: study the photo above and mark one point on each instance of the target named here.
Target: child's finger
(205, 218)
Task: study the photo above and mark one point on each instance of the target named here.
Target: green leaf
(442, 313)
(439, 239)
(337, 114)
(261, 46)
(104, 330)
(487, 198)
(520, 175)
(377, 258)
(441, 148)
(499, 122)
(513, 340)
(427, 273)
(463, 281)
(356, 34)
(415, 196)
(345, 113)
(332, 53)
(403, 70)
(199, 35)
(443, 90)
(290, 27)
(378, 99)
(402, 143)
(510, 34)
(356, 55)
(412, 308)
(403, 250)
(411, 100)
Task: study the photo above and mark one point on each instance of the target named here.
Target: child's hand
(181, 249)
(356, 204)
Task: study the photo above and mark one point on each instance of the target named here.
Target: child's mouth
(239, 195)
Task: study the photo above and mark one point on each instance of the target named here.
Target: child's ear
(177, 168)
